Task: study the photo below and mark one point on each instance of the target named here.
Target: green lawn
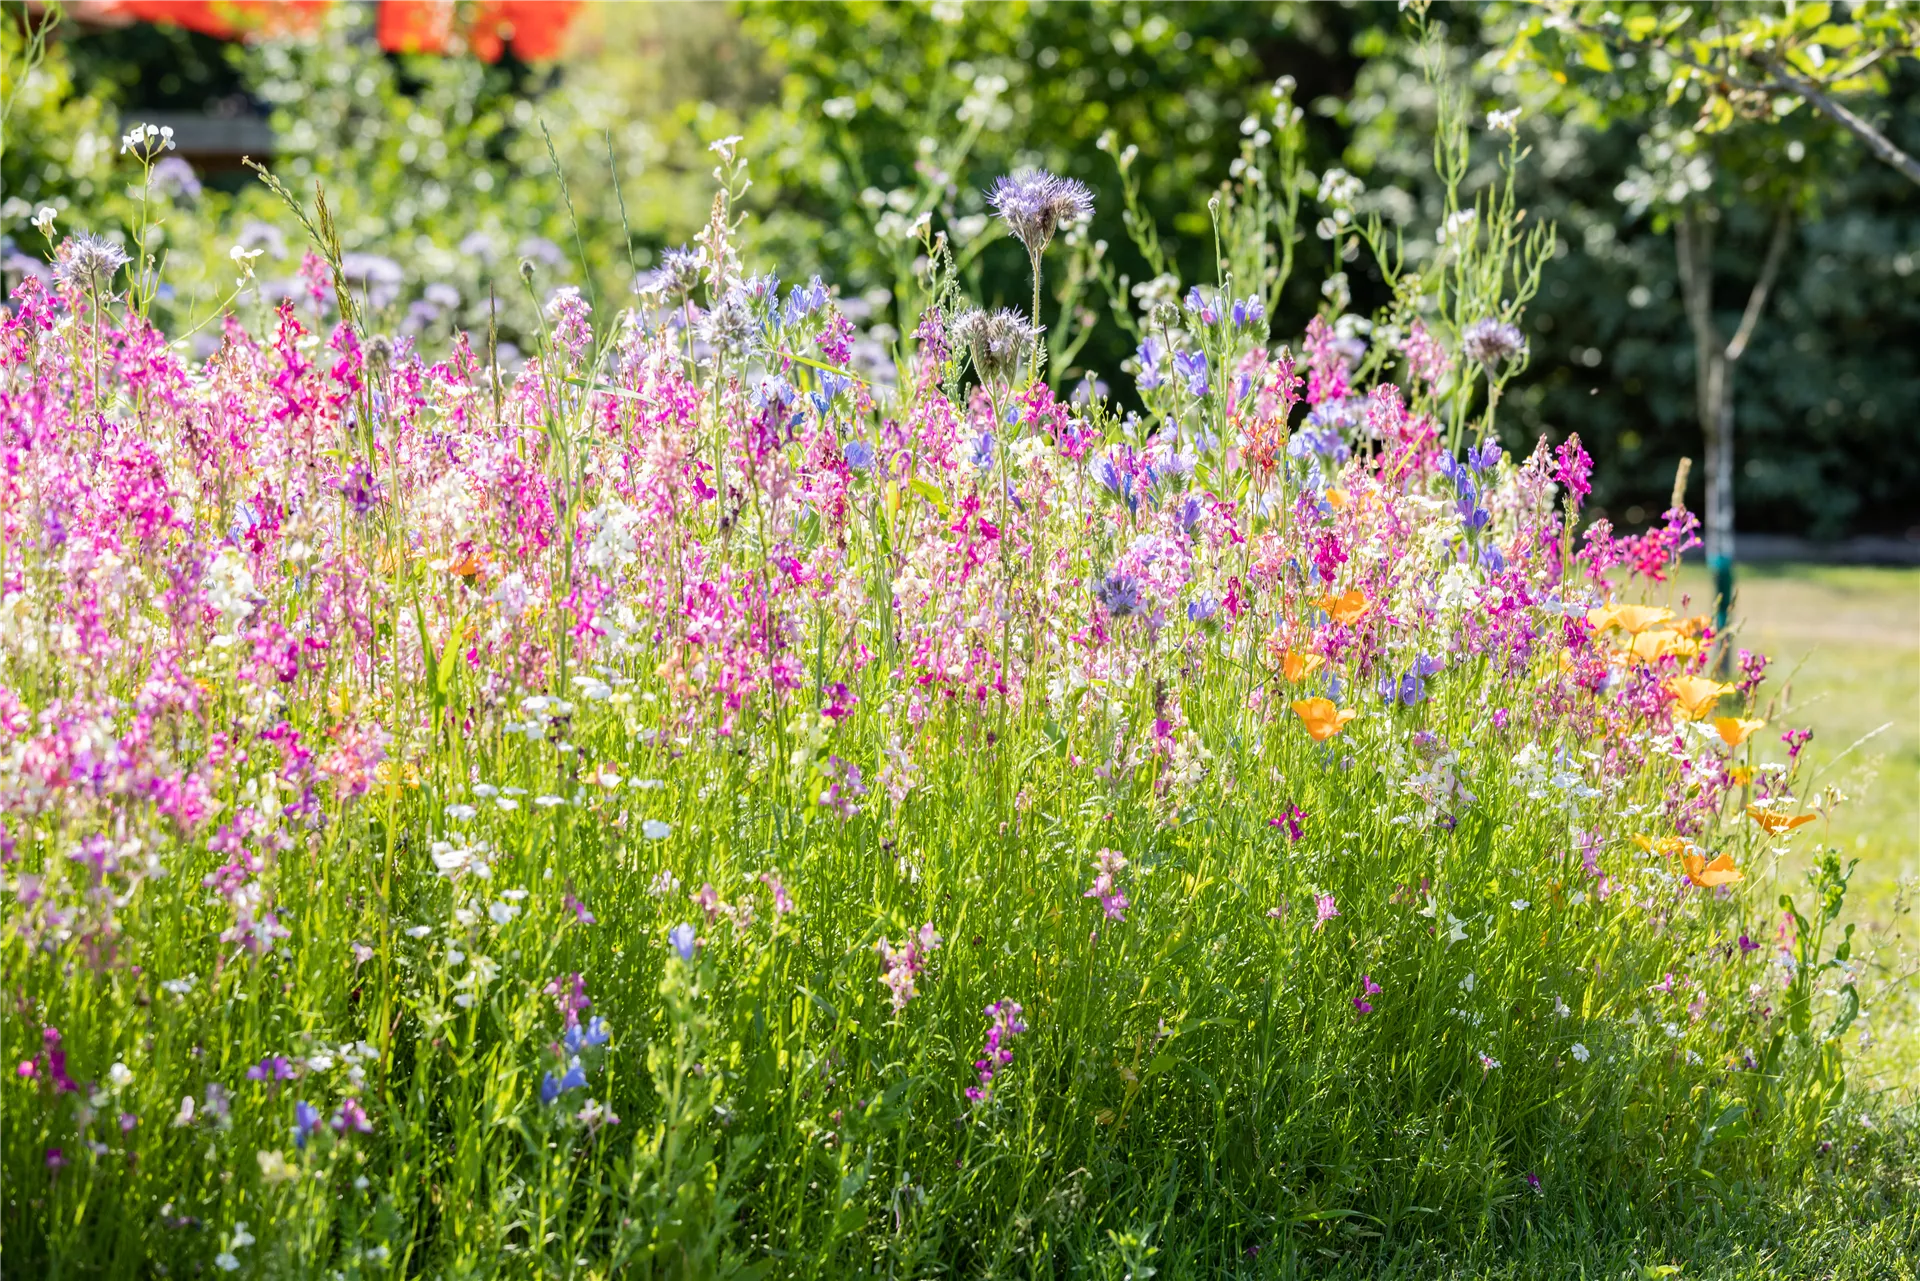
(1846, 648)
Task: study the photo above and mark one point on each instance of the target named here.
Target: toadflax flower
(1113, 900)
(1003, 1024)
(904, 964)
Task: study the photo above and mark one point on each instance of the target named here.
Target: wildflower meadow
(698, 803)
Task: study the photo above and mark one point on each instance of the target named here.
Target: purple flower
(272, 1068)
(1367, 988)
(1248, 311)
(683, 940)
(1120, 593)
(1748, 945)
(1034, 204)
(1202, 306)
(1492, 341)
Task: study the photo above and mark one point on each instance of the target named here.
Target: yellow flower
(1323, 720)
(1696, 694)
(1632, 619)
(274, 1167)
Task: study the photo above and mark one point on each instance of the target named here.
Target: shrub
(695, 808)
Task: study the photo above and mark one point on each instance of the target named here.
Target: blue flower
(683, 940)
(1491, 559)
(595, 1032)
(858, 454)
(1151, 374)
(983, 451)
(1192, 366)
(306, 1119)
(1248, 311)
(1202, 608)
(1202, 306)
(802, 303)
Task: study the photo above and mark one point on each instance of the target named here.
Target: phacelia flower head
(88, 261)
(1491, 342)
(997, 340)
(1034, 204)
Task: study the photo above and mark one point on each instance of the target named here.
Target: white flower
(147, 140)
(43, 221)
(243, 259)
(229, 588)
(507, 803)
(185, 1115)
(180, 987)
(1503, 121)
(1459, 224)
(654, 830)
(241, 1238)
(1520, 905)
(1468, 983)
(1580, 1052)
(460, 813)
(663, 883)
(119, 1076)
(226, 1262)
(548, 802)
(1560, 1008)
(502, 913)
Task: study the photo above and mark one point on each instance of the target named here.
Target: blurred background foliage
(858, 117)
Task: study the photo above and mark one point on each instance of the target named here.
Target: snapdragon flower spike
(1113, 901)
(902, 966)
(1003, 1024)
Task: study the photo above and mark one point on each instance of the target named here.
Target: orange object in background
(536, 30)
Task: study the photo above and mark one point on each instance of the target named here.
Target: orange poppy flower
(1633, 619)
(1696, 694)
(1775, 822)
(1338, 499)
(1297, 666)
(1656, 643)
(1348, 607)
(1720, 871)
(1323, 720)
(1735, 731)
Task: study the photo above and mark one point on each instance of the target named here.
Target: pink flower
(1113, 901)
(1324, 910)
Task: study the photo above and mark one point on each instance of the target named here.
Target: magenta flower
(1113, 901)
(1003, 1024)
(1367, 988)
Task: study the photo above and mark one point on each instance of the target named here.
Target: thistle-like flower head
(89, 261)
(1034, 204)
(1491, 341)
(997, 340)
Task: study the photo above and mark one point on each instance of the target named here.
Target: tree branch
(1757, 300)
(1876, 142)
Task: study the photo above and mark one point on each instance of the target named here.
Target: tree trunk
(1713, 387)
